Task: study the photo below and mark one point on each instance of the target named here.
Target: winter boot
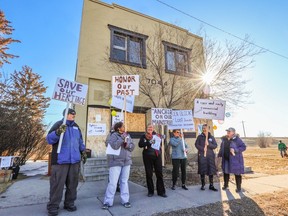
(211, 186)
(238, 179)
(203, 182)
(226, 181)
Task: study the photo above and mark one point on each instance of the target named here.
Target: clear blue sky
(49, 35)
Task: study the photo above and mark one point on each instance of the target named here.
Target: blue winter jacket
(72, 144)
(177, 148)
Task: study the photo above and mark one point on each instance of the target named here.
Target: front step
(96, 169)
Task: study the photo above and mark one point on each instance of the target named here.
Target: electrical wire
(219, 29)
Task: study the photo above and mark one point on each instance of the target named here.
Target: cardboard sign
(209, 109)
(96, 129)
(71, 92)
(182, 119)
(125, 85)
(118, 102)
(161, 116)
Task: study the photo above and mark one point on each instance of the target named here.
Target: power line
(222, 30)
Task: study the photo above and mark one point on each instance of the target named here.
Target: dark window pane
(134, 52)
(119, 54)
(170, 57)
(119, 41)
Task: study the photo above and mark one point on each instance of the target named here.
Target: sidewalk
(29, 197)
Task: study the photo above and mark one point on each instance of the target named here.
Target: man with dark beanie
(65, 166)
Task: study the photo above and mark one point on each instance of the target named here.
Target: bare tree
(223, 66)
(5, 29)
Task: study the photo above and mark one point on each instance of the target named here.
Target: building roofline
(143, 15)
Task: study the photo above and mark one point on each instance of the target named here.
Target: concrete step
(97, 176)
(96, 161)
(95, 169)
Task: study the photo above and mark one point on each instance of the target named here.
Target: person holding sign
(65, 166)
(119, 166)
(232, 159)
(178, 158)
(152, 160)
(206, 143)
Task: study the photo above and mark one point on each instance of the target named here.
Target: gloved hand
(83, 157)
(61, 129)
(124, 135)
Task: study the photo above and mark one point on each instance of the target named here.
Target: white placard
(118, 102)
(96, 129)
(125, 85)
(182, 119)
(111, 151)
(6, 162)
(161, 116)
(119, 117)
(209, 109)
(156, 142)
(98, 118)
(70, 92)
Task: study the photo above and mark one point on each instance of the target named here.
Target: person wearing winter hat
(65, 165)
(232, 158)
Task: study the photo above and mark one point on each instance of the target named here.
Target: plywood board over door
(97, 142)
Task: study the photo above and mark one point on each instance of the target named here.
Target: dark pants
(175, 172)
(65, 174)
(203, 180)
(282, 152)
(238, 179)
(150, 162)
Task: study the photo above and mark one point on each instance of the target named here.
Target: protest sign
(96, 129)
(161, 116)
(125, 85)
(182, 119)
(118, 102)
(209, 109)
(5, 162)
(71, 92)
(111, 151)
(119, 117)
(156, 142)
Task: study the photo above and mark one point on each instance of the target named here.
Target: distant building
(114, 39)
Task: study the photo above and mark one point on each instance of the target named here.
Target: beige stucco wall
(93, 65)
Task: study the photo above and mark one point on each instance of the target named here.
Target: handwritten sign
(161, 116)
(118, 102)
(71, 92)
(182, 119)
(156, 142)
(5, 162)
(96, 129)
(209, 109)
(125, 85)
(119, 117)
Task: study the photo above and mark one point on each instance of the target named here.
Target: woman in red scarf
(152, 159)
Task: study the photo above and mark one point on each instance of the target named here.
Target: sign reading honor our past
(125, 85)
(70, 92)
(209, 109)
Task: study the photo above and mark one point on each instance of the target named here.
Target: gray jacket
(116, 141)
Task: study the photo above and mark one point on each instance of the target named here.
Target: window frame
(128, 35)
(176, 49)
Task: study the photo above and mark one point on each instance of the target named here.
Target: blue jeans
(115, 173)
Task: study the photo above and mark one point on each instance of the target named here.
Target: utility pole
(244, 128)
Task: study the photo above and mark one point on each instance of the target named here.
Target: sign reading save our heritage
(71, 92)
(161, 116)
(209, 109)
(182, 119)
(125, 85)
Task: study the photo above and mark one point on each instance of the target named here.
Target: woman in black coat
(206, 143)
(152, 160)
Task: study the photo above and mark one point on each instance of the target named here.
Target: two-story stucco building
(115, 40)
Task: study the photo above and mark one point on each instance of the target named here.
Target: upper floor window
(176, 59)
(127, 47)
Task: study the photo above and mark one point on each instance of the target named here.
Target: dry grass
(266, 160)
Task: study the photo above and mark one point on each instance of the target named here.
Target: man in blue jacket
(65, 165)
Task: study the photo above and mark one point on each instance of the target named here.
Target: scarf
(149, 137)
